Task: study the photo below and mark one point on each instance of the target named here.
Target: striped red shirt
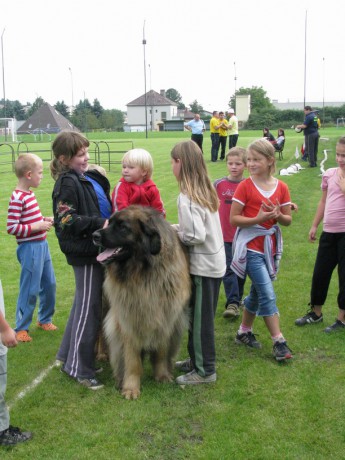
(23, 210)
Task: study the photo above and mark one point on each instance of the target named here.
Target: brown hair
(239, 152)
(66, 144)
(193, 178)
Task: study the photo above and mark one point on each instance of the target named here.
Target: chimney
(162, 92)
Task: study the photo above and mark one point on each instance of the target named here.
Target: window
(163, 115)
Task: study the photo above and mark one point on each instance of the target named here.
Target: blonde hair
(265, 148)
(239, 152)
(140, 158)
(66, 144)
(25, 163)
(193, 178)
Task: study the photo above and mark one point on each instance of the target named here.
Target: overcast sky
(191, 46)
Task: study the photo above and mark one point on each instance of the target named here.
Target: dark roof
(152, 98)
(46, 119)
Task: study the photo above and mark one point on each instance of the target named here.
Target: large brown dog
(148, 287)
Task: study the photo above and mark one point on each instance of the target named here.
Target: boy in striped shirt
(26, 223)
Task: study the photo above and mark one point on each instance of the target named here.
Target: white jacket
(200, 230)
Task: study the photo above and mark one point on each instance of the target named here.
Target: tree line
(85, 116)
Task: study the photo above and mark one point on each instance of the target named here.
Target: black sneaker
(309, 318)
(281, 351)
(91, 384)
(247, 338)
(184, 366)
(13, 436)
(335, 327)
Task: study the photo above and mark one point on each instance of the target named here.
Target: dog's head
(131, 233)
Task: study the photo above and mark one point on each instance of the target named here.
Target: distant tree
(258, 98)
(35, 106)
(97, 109)
(14, 109)
(175, 96)
(111, 120)
(62, 108)
(195, 107)
(81, 106)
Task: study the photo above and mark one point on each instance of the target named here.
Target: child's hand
(312, 234)
(49, 219)
(41, 226)
(268, 210)
(294, 207)
(106, 223)
(8, 338)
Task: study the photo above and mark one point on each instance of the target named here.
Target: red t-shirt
(225, 190)
(250, 197)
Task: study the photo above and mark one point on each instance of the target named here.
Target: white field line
(39, 379)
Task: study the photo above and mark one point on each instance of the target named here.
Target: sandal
(23, 336)
(47, 326)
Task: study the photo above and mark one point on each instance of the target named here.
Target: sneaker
(13, 436)
(232, 311)
(247, 338)
(281, 351)
(184, 366)
(309, 318)
(47, 326)
(193, 378)
(23, 336)
(335, 327)
(91, 384)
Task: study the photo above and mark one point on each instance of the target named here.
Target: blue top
(197, 126)
(311, 124)
(104, 205)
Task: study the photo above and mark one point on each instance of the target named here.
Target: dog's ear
(153, 236)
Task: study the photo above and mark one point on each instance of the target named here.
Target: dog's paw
(132, 393)
(164, 378)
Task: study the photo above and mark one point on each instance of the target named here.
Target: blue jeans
(233, 284)
(37, 279)
(261, 299)
(215, 146)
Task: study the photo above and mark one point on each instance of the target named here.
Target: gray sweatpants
(77, 349)
(4, 415)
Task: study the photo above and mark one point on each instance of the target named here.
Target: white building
(158, 109)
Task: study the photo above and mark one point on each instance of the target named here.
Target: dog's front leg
(161, 366)
(132, 372)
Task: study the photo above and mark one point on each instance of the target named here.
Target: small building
(158, 109)
(46, 119)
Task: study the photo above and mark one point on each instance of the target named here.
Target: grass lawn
(258, 409)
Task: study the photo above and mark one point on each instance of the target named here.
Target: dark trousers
(311, 145)
(203, 306)
(331, 252)
(77, 349)
(233, 284)
(222, 143)
(198, 138)
(233, 140)
(215, 146)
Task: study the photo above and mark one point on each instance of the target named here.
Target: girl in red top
(259, 203)
(136, 186)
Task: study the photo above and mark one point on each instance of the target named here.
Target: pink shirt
(225, 190)
(334, 216)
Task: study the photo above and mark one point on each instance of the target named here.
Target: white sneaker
(193, 378)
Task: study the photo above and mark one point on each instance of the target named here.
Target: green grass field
(258, 409)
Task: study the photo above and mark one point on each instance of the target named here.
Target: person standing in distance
(197, 127)
(214, 128)
(232, 128)
(311, 135)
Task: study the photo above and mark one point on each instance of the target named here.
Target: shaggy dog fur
(147, 284)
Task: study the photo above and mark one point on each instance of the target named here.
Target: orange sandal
(47, 326)
(23, 336)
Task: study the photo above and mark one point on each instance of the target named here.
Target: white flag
(296, 153)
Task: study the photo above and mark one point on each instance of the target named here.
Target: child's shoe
(281, 351)
(247, 338)
(23, 336)
(232, 311)
(193, 378)
(13, 436)
(47, 326)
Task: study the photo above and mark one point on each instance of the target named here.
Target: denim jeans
(261, 299)
(233, 284)
(215, 146)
